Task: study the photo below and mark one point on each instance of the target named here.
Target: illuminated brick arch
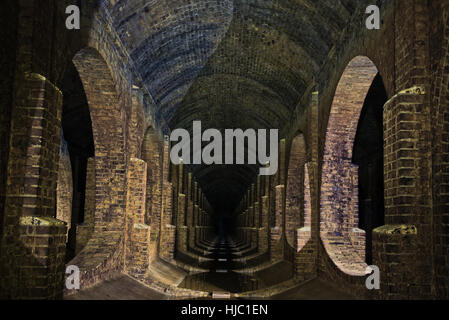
(102, 256)
(343, 240)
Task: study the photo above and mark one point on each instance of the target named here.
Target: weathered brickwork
(32, 180)
(151, 153)
(303, 234)
(110, 170)
(403, 119)
(42, 269)
(440, 146)
(9, 24)
(343, 240)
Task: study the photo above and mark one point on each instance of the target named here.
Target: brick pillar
(194, 215)
(137, 233)
(253, 201)
(33, 243)
(151, 153)
(257, 203)
(295, 190)
(263, 230)
(135, 126)
(304, 233)
(182, 231)
(168, 231)
(407, 209)
(276, 247)
(404, 244)
(250, 216)
(308, 237)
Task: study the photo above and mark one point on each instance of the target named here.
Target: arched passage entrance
(101, 257)
(340, 230)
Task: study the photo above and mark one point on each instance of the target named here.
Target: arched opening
(343, 239)
(77, 148)
(102, 253)
(294, 209)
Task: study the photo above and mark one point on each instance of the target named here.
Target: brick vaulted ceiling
(229, 63)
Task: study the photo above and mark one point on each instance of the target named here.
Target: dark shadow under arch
(368, 155)
(77, 132)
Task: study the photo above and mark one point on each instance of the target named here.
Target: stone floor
(125, 288)
(120, 288)
(316, 289)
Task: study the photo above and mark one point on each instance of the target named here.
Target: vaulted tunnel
(230, 65)
(236, 64)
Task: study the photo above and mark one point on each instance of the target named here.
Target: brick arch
(294, 209)
(102, 256)
(343, 240)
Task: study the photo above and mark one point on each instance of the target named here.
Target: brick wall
(440, 146)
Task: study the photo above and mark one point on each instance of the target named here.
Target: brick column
(168, 231)
(308, 237)
(276, 247)
(137, 233)
(407, 209)
(403, 246)
(33, 243)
